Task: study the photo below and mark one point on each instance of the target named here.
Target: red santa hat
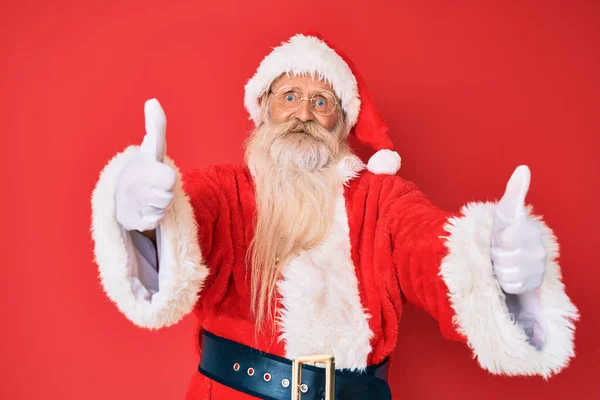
(310, 54)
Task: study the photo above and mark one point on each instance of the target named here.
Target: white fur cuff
(181, 271)
(498, 343)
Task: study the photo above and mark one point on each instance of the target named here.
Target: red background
(470, 90)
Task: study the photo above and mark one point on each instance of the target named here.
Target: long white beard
(294, 167)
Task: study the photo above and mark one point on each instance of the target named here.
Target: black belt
(269, 377)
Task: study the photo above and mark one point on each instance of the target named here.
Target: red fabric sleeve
(213, 193)
(418, 247)
(205, 196)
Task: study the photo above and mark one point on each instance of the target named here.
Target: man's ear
(262, 102)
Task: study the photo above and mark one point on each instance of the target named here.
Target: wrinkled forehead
(305, 83)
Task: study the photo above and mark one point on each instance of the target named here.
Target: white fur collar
(349, 168)
(321, 309)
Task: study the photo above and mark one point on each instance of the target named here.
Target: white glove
(518, 252)
(144, 189)
(519, 256)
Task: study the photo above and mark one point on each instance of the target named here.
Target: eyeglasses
(290, 98)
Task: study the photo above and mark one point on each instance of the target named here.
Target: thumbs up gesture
(518, 253)
(145, 187)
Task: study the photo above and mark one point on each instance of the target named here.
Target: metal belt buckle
(297, 363)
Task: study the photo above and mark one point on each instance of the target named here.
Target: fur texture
(499, 344)
(181, 272)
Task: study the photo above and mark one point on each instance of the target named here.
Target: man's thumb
(512, 204)
(155, 141)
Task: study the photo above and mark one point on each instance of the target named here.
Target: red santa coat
(388, 244)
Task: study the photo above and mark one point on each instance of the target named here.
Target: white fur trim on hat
(305, 55)
(384, 162)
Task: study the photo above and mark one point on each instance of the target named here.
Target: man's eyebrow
(298, 89)
(289, 87)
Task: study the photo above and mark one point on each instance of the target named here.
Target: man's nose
(304, 112)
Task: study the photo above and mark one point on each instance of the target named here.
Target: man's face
(307, 87)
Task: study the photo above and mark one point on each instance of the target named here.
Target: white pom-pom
(384, 162)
